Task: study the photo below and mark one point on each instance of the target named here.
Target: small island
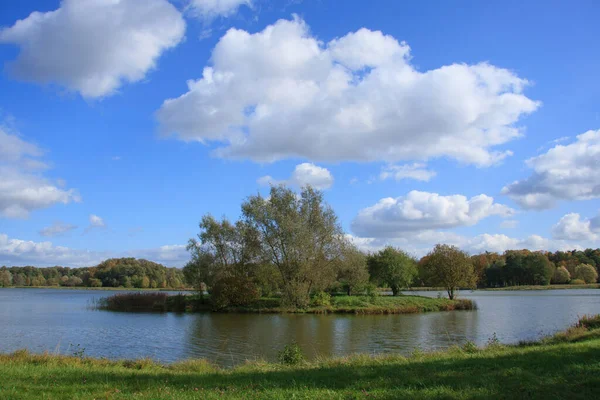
(288, 253)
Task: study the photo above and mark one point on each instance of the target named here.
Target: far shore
(412, 289)
(522, 287)
(105, 288)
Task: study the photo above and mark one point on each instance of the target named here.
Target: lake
(62, 321)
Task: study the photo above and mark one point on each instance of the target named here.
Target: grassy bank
(339, 304)
(565, 366)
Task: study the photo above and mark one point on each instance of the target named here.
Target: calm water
(59, 320)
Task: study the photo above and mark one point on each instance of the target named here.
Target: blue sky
(424, 122)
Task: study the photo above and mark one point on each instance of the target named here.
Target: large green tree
(352, 271)
(5, 278)
(300, 235)
(586, 273)
(222, 250)
(448, 267)
(392, 267)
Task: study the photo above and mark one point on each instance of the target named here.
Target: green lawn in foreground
(564, 367)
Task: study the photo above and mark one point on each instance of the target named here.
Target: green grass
(339, 304)
(566, 366)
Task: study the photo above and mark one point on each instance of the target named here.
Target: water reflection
(54, 320)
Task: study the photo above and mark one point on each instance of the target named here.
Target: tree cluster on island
(291, 245)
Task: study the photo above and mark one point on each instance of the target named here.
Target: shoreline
(359, 305)
(511, 288)
(562, 366)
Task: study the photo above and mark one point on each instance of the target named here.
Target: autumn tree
(561, 276)
(392, 267)
(448, 267)
(5, 278)
(223, 250)
(586, 273)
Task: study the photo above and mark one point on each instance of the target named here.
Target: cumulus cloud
(421, 243)
(96, 222)
(304, 174)
(565, 172)
(572, 227)
(26, 252)
(416, 171)
(56, 229)
(422, 211)
(281, 93)
(94, 46)
(23, 188)
(42, 254)
(211, 9)
(170, 255)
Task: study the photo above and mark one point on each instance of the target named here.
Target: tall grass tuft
(135, 302)
(589, 322)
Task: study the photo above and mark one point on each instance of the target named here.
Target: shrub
(577, 282)
(493, 341)
(561, 275)
(291, 354)
(95, 282)
(177, 302)
(371, 292)
(470, 347)
(321, 299)
(586, 272)
(589, 322)
(233, 291)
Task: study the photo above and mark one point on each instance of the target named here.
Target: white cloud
(509, 224)
(23, 188)
(94, 46)
(568, 172)
(572, 227)
(170, 255)
(304, 174)
(56, 229)
(421, 211)
(42, 254)
(416, 171)
(211, 9)
(500, 243)
(15, 150)
(422, 242)
(281, 93)
(24, 252)
(96, 221)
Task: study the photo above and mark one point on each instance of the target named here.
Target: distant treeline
(115, 272)
(524, 267)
